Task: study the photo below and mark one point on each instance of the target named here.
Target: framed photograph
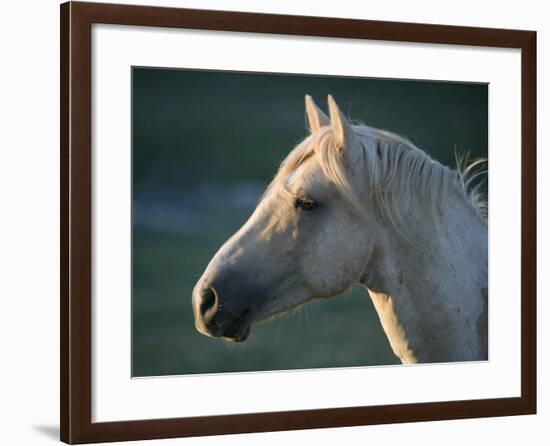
(278, 222)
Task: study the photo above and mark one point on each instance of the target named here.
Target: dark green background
(205, 146)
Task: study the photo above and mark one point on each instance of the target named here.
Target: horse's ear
(344, 134)
(315, 117)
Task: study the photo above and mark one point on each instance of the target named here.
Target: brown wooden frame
(76, 221)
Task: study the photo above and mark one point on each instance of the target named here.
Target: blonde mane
(397, 171)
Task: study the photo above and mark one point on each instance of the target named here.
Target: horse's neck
(431, 297)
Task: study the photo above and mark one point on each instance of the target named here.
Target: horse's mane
(398, 172)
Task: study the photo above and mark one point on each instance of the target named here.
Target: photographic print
(291, 221)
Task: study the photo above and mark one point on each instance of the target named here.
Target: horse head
(306, 238)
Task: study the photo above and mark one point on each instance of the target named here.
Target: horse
(356, 204)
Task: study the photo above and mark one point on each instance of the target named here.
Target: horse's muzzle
(212, 320)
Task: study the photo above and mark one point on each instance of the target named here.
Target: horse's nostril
(208, 304)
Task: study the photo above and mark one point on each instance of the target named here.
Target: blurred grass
(197, 138)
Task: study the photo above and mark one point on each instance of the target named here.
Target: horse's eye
(305, 204)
